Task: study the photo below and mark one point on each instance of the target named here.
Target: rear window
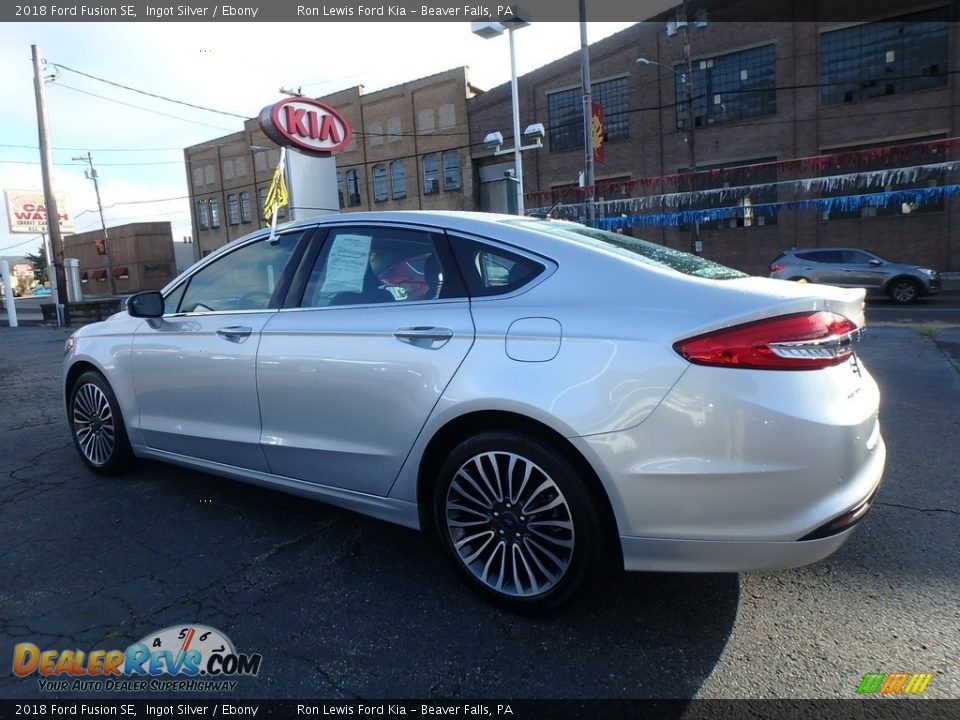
(643, 250)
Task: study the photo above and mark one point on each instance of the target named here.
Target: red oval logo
(306, 124)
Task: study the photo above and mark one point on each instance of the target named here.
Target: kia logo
(306, 124)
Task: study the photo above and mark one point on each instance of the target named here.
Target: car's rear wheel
(904, 291)
(517, 520)
(97, 425)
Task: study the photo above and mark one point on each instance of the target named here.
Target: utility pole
(695, 246)
(49, 198)
(92, 175)
(588, 170)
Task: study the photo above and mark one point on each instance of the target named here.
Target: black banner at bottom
(859, 709)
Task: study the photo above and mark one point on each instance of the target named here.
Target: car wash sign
(306, 124)
(27, 212)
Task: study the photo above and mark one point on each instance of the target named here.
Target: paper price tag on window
(347, 264)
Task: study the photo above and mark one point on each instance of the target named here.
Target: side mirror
(874, 263)
(146, 305)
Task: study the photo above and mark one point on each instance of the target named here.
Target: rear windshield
(642, 250)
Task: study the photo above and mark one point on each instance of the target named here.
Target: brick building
(409, 151)
(141, 253)
(874, 96)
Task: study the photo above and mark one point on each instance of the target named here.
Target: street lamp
(489, 30)
(494, 141)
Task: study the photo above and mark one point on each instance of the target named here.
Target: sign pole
(54, 285)
(8, 293)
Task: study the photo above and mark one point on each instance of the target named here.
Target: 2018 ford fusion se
(547, 398)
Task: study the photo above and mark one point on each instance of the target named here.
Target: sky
(230, 67)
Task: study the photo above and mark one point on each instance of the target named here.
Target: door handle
(236, 333)
(423, 334)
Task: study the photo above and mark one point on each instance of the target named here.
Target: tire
(903, 291)
(97, 426)
(480, 500)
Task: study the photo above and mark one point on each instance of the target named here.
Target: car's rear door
(350, 370)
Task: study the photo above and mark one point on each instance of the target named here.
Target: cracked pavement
(342, 606)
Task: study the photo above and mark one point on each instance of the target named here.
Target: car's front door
(348, 378)
(194, 369)
(859, 270)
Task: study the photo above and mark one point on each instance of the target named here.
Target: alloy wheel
(509, 524)
(93, 424)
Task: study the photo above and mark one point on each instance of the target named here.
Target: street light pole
(515, 93)
(588, 167)
(92, 175)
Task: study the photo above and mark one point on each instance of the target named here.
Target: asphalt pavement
(343, 606)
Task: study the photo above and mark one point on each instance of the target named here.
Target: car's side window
(373, 265)
(172, 300)
(490, 270)
(822, 256)
(855, 257)
(245, 279)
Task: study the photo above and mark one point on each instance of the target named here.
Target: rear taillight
(776, 268)
(803, 341)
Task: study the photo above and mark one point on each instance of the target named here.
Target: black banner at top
(450, 10)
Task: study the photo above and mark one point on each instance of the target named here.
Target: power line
(140, 107)
(68, 149)
(149, 94)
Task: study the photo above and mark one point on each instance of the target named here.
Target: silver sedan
(544, 397)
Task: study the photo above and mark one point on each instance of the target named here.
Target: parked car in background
(852, 267)
(545, 398)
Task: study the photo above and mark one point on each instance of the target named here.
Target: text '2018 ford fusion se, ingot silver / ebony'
(542, 395)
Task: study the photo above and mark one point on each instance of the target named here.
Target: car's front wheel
(904, 291)
(97, 425)
(517, 520)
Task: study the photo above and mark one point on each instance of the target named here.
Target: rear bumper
(676, 555)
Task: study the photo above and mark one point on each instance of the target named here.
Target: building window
(380, 193)
(907, 157)
(565, 111)
(245, 214)
(451, 170)
(744, 188)
(729, 87)
(353, 188)
(398, 179)
(894, 56)
(233, 210)
(152, 271)
(261, 200)
(431, 183)
(203, 215)
(340, 189)
(214, 205)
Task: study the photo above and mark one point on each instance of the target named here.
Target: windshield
(642, 250)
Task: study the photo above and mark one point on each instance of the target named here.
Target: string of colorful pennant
(844, 203)
(916, 152)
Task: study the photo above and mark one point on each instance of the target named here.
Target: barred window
(203, 215)
(431, 183)
(233, 209)
(914, 155)
(340, 189)
(565, 112)
(245, 215)
(890, 57)
(746, 187)
(261, 200)
(451, 170)
(398, 179)
(380, 193)
(214, 205)
(353, 188)
(728, 87)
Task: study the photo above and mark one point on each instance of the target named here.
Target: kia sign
(27, 212)
(306, 124)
